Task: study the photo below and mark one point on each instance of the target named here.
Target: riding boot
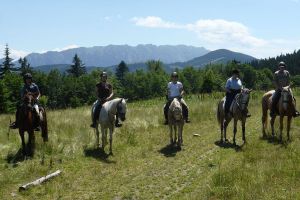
(117, 124)
(185, 113)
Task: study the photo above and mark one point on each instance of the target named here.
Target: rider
(281, 79)
(31, 87)
(233, 87)
(104, 93)
(175, 90)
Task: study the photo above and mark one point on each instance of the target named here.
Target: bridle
(240, 102)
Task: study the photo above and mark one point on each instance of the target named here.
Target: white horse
(107, 119)
(176, 122)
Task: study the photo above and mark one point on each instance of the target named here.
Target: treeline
(75, 87)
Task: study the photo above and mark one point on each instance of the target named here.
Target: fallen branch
(39, 181)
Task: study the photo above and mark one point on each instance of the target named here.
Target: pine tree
(24, 66)
(7, 65)
(121, 70)
(78, 68)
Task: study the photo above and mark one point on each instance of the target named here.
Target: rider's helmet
(235, 71)
(103, 74)
(174, 74)
(281, 64)
(27, 76)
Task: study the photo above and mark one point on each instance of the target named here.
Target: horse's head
(28, 100)
(243, 99)
(287, 97)
(121, 109)
(176, 109)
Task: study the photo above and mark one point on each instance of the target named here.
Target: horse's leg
(289, 120)
(97, 136)
(175, 133)
(244, 130)
(171, 133)
(180, 127)
(222, 130)
(280, 127)
(264, 119)
(31, 141)
(110, 140)
(103, 138)
(21, 133)
(234, 130)
(272, 125)
(226, 122)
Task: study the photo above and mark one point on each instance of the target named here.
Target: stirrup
(13, 125)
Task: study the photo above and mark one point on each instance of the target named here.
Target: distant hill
(113, 54)
(217, 56)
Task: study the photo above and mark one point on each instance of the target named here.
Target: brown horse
(285, 107)
(239, 112)
(27, 120)
(176, 122)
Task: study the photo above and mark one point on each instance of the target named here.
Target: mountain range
(104, 56)
(108, 57)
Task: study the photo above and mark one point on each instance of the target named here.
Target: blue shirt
(235, 84)
(33, 88)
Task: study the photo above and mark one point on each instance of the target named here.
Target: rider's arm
(111, 94)
(288, 78)
(276, 82)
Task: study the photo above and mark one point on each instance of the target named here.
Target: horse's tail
(219, 110)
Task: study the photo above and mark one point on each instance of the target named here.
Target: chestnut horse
(285, 107)
(27, 120)
(239, 112)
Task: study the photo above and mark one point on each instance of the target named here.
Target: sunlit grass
(144, 167)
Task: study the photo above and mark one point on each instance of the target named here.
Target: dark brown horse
(27, 121)
(285, 107)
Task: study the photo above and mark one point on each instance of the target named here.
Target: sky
(261, 28)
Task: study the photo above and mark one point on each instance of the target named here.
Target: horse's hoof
(221, 141)
(226, 140)
(110, 154)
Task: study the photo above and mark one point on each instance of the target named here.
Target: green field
(144, 167)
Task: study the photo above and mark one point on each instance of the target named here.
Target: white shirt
(174, 89)
(235, 84)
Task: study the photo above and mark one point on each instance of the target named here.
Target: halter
(289, 95)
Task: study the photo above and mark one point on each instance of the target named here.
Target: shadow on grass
(169, 150)
(15, 158)
(275, 140)
(229, 145)
(98, 154)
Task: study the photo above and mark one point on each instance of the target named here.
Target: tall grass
(144, 167)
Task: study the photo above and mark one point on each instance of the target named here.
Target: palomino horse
(176, 122)
(107, 119)
(239, 108)
(27, 120)
(285, 107)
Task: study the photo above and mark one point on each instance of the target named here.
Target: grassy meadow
(144, 167)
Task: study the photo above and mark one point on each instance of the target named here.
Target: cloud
(220, 33)
(14, 53)
(154, 22)
(72, 46)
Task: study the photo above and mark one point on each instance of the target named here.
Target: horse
(107, 119)
(176, 122)
(27, 122)
(285, 107)
(239, 108)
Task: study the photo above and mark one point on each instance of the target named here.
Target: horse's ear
(250, 90)
(289, 87)
(125, 100)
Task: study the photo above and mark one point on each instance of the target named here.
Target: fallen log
(39, 181)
